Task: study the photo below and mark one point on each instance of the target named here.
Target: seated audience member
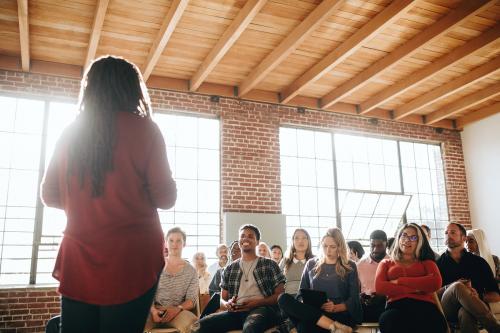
(214, 288)
(295, 260)
(221, 254)
(372, 303)
(409, 279)
(200, 264)
(390, 244)
(476, 243)
(337, 276)
(356, 251)
(428, 234)
(235, 253)
(467, 284)
(249, 291)
(177, 291)
(263, 250)
(276, 253)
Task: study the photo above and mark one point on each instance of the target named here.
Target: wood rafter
(348, 47)
(448, 88)
(436, 67)
(289, 44)
(478, 115)
(24, 34)
(167, 28)
(463, 103)
(230, 36)
(95, 35)
(436, 30)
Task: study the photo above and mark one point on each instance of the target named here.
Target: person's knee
(254, 323)
(458, 288)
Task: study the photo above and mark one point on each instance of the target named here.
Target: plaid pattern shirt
(267, 275)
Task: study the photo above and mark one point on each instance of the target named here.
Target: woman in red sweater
(409, 279)
(110, 173)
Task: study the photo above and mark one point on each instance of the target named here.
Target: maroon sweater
(112, 247)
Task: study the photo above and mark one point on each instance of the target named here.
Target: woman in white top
(199, 262)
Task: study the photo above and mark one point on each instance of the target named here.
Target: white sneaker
(340, 328)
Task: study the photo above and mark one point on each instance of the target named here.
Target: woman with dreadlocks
(110, 173)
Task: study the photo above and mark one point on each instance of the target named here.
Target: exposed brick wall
(250, 171)
(27, 309)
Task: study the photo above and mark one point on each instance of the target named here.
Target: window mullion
(37, 233)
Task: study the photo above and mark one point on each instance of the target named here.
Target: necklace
(245, 274)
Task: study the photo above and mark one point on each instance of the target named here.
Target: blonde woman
(263, 250)
(409, 279)
(337, 276)
(199, 262)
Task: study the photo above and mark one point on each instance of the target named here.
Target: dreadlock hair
(110, 85)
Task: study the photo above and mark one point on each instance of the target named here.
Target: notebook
(314, 298)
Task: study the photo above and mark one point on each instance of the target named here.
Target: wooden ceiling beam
(463, 103)
(466, 10)
(478, 115)
(388, 16)
(173, 17)
(230, 36)
(445, 90)
(434, 68)
(24, 35)
(322, 12)
(95, 34)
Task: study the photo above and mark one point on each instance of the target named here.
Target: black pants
(130, 317)
(212, 306)
(372, 308)
(256, 321)
(305, 316)
(412, 316)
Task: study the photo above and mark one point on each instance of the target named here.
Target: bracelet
(180, 307)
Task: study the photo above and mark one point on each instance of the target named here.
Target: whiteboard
(272, 227)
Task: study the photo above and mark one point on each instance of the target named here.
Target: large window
(30, 234)
(194, 155)
(371, 183)
(307, 180)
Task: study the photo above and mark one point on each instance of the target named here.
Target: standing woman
(295, 260)
(337, 276)
(409, 279)
(263, 250)
(110, 173)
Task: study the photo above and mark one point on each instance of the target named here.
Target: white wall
(481, 145)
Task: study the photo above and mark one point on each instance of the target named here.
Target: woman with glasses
(335, 275)
(409, 279)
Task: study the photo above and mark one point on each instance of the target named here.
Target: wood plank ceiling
(433, 62)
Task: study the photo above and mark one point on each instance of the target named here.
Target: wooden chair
(367, 327)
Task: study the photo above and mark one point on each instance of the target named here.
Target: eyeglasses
(412, 238)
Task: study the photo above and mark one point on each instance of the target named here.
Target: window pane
(193, 150)
(307, 180)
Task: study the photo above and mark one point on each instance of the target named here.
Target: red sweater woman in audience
(409, 279)
(110, 173)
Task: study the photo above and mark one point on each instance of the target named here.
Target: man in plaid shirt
(250, 289)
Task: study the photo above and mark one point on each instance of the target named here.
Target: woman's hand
(172, 312)
(328, 306)
(156, 314)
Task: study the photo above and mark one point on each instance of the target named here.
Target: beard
(451, 243)
(378, 256)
